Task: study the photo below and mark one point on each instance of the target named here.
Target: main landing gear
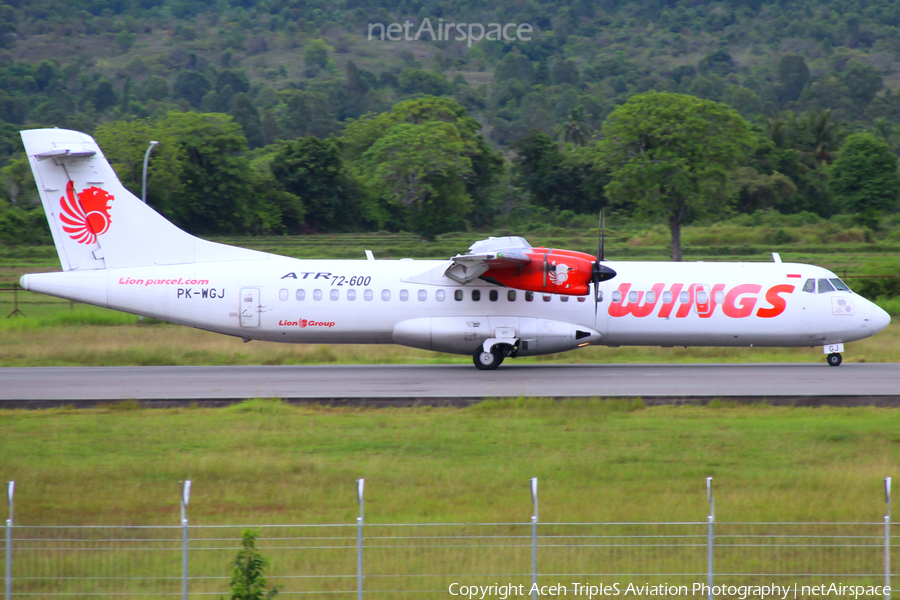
(834, 359)
(488, 361)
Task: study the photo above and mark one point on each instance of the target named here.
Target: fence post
(360, 485)
(709, 535)
(185, 498)
(534, 539)
(887, 537)
(11, 488)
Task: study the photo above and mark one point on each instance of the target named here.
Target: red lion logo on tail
(87, 216)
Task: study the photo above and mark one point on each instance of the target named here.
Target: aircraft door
(250, 307)
(702, 303)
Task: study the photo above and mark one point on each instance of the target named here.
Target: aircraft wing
(469, 267)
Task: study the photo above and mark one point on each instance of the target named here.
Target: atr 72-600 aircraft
(502, 299)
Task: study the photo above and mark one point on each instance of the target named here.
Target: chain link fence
(423, 561)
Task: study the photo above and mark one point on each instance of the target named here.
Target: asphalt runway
(805, 384)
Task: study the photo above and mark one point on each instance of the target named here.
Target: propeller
(600, 272)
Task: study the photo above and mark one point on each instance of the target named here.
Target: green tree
(216, 180)
(818, 136)
(420, 81)
(247, 579)
(671, 154)
(792, 77)
(7, 25)
(156, 88)
(422, 168)
(575, 129)
(864, 178)
(312, 170)
(246, 115)
(315, 55)
(104, 95)
(863, 81)
(486, 164)
(125, 143)
(564, 72)
(559, 180)
(191, 86)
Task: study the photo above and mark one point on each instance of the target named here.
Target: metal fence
(445, 560)
(425, 560)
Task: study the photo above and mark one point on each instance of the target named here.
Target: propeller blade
(600, 272)
(545, 270)
(600, 254)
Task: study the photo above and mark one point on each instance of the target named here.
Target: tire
(834, 360)
(487, 361)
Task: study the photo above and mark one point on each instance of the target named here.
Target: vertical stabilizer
(95, 221)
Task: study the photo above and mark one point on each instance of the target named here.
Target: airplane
(502, 299)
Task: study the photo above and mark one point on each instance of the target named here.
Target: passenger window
(547, 298)
(810, 286)
(282, 295)
(351, 295)
(839, 285)
(651, 297)
(632, 297)
(422, 295)
(301, 295)
(617, 296)
(825, 286)
(476, 295)
(720, 297)
(385, 295)
(368, 295)
(667, 297)
(581, 298)
(317, 295)
(702, 297)
(563, 298)
(493, 295)
(511, 295)
(529, 296)
(440, 295)
(684, 297)
(458, 295)
(404, 295)
(335, 294)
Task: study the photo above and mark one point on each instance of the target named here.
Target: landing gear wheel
(834, 360)
(488, 361)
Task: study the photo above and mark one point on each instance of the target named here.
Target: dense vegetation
(281, 117)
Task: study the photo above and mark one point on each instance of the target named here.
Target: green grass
(597, 460)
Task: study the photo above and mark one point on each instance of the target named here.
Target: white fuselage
(411, 302)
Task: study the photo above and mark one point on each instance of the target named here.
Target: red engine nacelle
(551, 271)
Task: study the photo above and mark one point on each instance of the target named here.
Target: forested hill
(807, 72)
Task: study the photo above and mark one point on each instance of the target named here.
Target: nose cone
(880, 318)
(23, 282)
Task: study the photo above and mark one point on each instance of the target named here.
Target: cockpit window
(810, 286)
(825, 286)
(839, 285)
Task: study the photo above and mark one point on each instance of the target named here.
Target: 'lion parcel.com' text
(742, 592)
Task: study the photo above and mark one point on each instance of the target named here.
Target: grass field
(597, 460)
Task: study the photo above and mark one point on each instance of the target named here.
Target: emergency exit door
(250, 307)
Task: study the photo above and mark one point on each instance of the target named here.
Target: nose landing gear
(834, 359)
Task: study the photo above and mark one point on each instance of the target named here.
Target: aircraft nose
(880, 318)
